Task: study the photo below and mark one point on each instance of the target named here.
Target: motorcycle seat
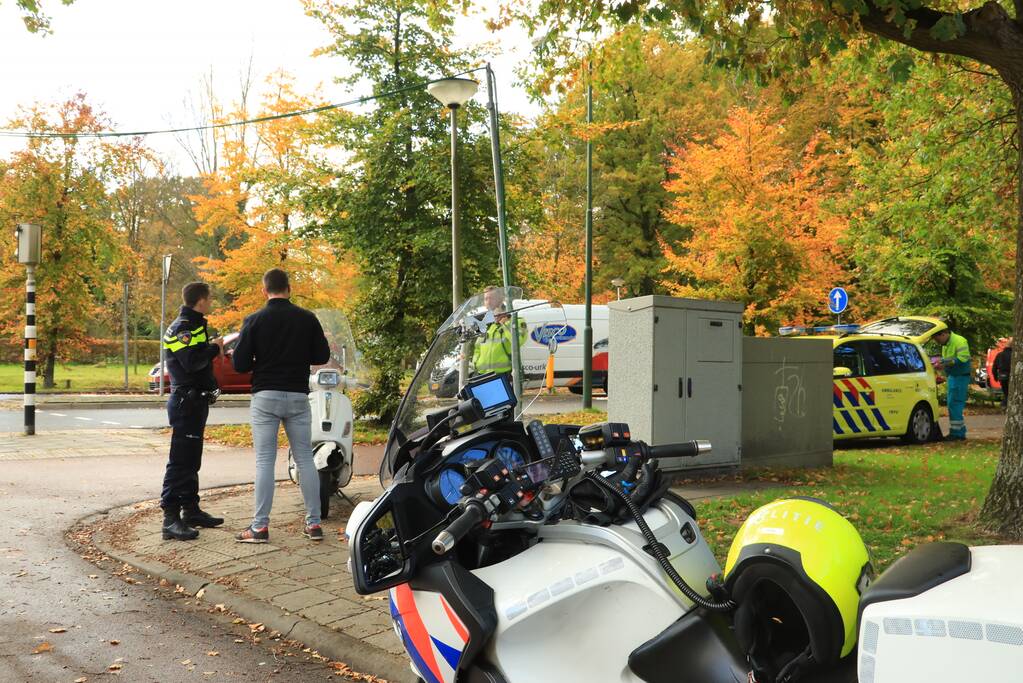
(919, 571)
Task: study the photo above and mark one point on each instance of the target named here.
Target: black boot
(193, 516)
(173, 527)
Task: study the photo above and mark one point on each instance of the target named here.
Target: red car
(230, 382)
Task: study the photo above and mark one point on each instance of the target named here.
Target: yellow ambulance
(884, 384)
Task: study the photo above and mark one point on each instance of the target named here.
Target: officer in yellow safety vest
(955, 359)
(493, 353)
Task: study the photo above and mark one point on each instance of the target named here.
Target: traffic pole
(30, 350)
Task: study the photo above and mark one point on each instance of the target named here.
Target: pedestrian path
(78, 444)
(289, 576)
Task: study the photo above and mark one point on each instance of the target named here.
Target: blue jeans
(958, 387)
(268, 410)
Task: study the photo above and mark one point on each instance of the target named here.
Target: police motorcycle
(332, 416)
(518, 552)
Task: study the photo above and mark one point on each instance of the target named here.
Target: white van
(568, 362)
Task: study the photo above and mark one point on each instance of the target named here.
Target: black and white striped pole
(29, 243)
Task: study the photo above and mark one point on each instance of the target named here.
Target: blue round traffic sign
(837, 300)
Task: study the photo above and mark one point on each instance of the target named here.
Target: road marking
(84, 419)
(136, 427)
(56, 414)
(109, 423)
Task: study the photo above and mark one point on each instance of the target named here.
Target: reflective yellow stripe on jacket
(173, 342)
(493, 352)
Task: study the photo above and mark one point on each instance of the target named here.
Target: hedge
(144, 351)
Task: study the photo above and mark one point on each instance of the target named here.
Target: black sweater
(278, 343)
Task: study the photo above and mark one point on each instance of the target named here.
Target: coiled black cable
(657, 550)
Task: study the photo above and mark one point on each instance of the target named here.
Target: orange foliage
(760, 232)
(251, 206)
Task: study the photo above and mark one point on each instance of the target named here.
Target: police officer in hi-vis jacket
(190, 355)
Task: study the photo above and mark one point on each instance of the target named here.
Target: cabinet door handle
(689, 387)
(681, 389)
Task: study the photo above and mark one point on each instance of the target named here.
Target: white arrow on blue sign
(837, 300)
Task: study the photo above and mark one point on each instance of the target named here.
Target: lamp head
(453, 92)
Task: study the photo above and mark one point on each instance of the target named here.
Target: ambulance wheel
(921, 425)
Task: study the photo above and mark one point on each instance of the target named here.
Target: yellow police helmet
(796, 569)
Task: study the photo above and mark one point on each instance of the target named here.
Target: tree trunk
(51, 357)
(1003, 509)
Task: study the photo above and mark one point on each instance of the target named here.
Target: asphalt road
(160, 636)
(12, 419)
(110, 418)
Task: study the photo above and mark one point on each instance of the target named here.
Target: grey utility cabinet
(675, 373)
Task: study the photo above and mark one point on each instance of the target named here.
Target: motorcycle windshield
(343, 354)
(477, 339)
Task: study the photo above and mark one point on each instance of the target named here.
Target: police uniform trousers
(188, 422)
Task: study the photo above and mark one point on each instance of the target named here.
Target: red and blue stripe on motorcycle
(432, 633)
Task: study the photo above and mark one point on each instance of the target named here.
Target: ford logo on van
(542, 334)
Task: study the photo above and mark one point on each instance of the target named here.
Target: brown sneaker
(313, 532)
(251, 535)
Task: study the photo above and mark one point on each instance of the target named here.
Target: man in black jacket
(278, 343)
(190, 355)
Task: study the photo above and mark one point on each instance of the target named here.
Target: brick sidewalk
(292, 573)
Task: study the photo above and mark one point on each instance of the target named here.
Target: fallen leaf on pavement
(238, 640)
(42, 647)
(115, 667)
(93, 576)
(186, 662)
(202, 592)
(83, 679)
(212, 653)
(220, 607)
(58, 630)
(164, 582)
(115, 642)
(238, 620)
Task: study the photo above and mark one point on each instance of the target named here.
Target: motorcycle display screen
(492, 394)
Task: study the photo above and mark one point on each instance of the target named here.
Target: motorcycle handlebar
(473, 514)
(686, 449)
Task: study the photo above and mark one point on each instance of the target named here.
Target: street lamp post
(588, 325)
(29, 238)
(618, 283)
(453, 93)
(164, 277)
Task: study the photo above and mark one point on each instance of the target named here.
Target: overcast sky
(137, 59)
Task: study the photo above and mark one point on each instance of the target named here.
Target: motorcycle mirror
(379, 559)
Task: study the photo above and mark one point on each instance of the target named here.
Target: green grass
(84, 378)
(366, 432)
(896, 497)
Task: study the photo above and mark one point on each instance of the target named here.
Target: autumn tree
(759, 233)
(251, 205)
(776, 38)
(649, 94)
(61, 184)
(388, 202)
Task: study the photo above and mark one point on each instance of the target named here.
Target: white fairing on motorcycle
(578, 574)
(968, 628)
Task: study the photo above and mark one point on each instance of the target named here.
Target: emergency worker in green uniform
(955, 359)
(493, 352)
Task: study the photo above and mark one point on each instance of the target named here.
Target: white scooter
(333, 421)
(500, 568)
